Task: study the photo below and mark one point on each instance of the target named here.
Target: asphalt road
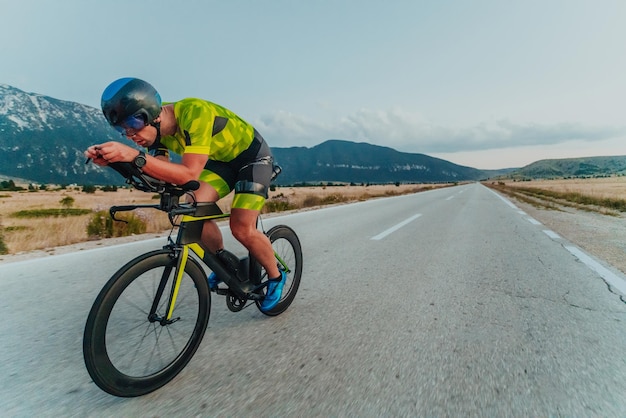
(450, 302)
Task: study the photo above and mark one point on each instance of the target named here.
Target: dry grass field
(27, 234)
(24, 234)
(609, 187)
(603, 195)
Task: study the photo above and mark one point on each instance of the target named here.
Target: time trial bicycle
(149, 319)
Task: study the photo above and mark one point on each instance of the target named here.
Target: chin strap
(157, 125)
(157, 142)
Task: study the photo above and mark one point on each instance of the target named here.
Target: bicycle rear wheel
(288, 252)
(128, 353)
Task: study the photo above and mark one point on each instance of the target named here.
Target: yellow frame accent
(197, 248)
(180, 270)
(191, 218)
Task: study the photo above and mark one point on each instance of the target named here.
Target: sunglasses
(131, 125)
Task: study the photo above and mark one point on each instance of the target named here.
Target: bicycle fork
(181, 254)
(181, 262)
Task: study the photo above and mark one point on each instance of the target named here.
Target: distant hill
(345, 161)
(572, 167)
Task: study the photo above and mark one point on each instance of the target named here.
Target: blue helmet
(130, 98)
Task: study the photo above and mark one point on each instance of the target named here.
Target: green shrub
(17, 228)
(10, 186)
(67, 202)
(311, 200)
(102, 226)
(333, 198)
(278, 205)
(46, 213)
(3, 247)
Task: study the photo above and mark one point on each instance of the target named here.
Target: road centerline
(395, 227)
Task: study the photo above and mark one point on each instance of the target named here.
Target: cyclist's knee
(244, 236)
(243, 225)
(206, 193)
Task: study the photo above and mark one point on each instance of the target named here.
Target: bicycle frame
(244, 284)
(243, 287)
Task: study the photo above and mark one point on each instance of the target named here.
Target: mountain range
(572, 167)
(346, 161)
(42, 140)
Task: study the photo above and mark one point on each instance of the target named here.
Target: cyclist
(218, 148)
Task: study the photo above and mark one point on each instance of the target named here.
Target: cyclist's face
(143, 137)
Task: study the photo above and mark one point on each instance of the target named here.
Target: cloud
(411, 132)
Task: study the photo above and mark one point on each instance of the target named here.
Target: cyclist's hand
(111, 152)
(93, 153)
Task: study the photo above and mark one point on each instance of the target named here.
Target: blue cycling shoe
(274, 292)
(213, 281)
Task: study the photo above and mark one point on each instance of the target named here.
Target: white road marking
(395, 227)
(504, 199)
(612, 279)
(551, 234)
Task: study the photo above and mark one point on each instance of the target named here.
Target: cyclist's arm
(190, 168)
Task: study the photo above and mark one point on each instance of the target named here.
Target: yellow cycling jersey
(206, 128)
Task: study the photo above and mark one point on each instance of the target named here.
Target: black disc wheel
(130, 346)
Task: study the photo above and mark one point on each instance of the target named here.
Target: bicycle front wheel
(129, 347)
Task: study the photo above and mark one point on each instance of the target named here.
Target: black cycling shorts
(249, 174)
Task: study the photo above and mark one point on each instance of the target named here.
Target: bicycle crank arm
(247, 295)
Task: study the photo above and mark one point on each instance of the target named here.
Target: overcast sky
(483, 83)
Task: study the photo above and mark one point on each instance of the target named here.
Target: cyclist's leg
(250, 193)
(212, 188)
(243, 227)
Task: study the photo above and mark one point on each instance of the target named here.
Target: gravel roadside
(602, 236)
